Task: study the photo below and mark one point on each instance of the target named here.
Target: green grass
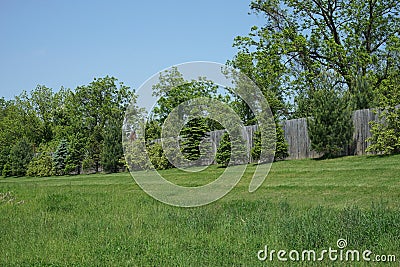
(107, 220)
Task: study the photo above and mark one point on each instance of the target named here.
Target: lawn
(107, 220)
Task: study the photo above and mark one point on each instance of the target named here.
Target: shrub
(386, 132)
(227, 152)
(6, 172)
(41, 165)
(158, 158)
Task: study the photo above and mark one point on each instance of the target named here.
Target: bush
(41, 165)
(135, 158)
(4, 157)
(386, 132)
(6, 172)
(158, 158)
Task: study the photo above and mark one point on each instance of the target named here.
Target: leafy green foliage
(6, 172)
(172, 90)
(256, 149)
(281, 149)
(42, 164)
(76, 119)
(386, 132)
(76, 153)
(93, 108)
(300, 39)
(136, 159)
(157, 157)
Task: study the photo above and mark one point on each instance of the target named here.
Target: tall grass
(106, 220)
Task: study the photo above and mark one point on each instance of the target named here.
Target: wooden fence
(296, 135)
(299, 143)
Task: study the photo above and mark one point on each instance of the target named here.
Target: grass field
(107, 220)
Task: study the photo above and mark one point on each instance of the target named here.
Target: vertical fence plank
(299, 143)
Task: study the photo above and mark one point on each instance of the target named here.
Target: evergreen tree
(112, 147)
(76, 153)
(281, 149)
(224, 150)
(232, 150)
(331, 127)
(60, 157)
(193, 134)
(20, 156)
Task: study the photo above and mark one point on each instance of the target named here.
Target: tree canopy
(358, 40)
(66, 131)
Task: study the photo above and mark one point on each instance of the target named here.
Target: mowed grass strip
(107, 220)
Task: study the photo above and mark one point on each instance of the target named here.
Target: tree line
(318, 59)
(46, 133)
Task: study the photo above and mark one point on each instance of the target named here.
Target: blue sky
(68, 43)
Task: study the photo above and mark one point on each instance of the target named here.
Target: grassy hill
(103, 220)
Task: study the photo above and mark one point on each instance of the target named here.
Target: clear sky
(68, 43)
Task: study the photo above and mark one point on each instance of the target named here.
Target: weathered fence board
(296, 135)
(362, 129)
(299, 143)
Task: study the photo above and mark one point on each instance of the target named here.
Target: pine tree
(281, 149)
(60, 157)
(20, 156)
(331, 127)
(232, 150)
(193, 133)
(76, 153)
(112, 148)
(224, 150)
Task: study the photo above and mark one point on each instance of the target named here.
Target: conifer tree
(60, 157)
(193, 133)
